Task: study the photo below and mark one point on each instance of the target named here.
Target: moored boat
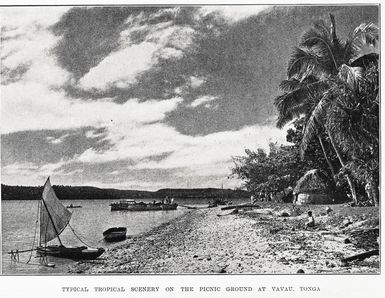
(54, 218)
(73, 253)
(115, 234)
(73, 206)
(132, 205)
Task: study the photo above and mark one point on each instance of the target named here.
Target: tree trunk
(372, 190)
(350, 181)
(327, 159)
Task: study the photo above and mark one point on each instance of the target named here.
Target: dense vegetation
(332, 95)
(93, 193)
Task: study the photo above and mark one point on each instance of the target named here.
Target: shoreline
(201, 242)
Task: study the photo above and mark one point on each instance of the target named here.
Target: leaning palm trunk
(348, 178)
(331, 168)
(372, 189)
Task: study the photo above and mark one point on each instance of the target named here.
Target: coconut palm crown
(321, 70)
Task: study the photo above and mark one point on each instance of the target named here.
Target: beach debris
(235, 211)
(328, 210)
(275, 230)
(300, 271)
(285, 213)
(188, 207)
(221, 269)
(241, 206)
(361, 256)
(346, 222)
(261, 211)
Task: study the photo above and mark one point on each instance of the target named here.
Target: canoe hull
(115, 234)
(73, 253)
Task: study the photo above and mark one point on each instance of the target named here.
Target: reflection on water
(89, 222)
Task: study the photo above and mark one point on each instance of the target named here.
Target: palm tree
(319, 59)
(353, 118)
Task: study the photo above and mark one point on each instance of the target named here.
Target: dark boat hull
(143, 207)
(115, 234)
(73, 253)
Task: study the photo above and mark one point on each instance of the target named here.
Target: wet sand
(202, 242)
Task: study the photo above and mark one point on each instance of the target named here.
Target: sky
(145, 97)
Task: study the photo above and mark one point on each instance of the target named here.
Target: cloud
(101, 90)
(201, 100)
(56, 141)
(218, 147)
(121, 67)
(235, 13)
(42, 108)
(187, 155)
(26, 46)
(28, 173)
(196, 82)
(35, 100)
(137, 142)
(21, 19)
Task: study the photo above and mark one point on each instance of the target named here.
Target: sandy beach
(257, 241)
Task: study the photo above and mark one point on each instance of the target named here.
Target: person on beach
(295, 195)
(310, 220)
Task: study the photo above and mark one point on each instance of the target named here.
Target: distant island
(93, 193)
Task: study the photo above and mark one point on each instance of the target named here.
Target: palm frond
(319, 33)
(368, 32)
(324, 43)
(353, 118)
(285, 104)
(352, 76)
(290, 85)
(361, 41)
(294, 112)
(303, 61)
(315, 119)
(293, 84)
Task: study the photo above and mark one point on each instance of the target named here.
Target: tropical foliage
(279, 168)
(332, 86)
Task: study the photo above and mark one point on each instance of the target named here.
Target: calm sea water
(89, 222)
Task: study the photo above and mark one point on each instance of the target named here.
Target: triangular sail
(53, 221)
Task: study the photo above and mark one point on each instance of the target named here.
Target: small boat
(73, 253)
(115, 234)
(54, 218)
(74, 206)
(132, 205)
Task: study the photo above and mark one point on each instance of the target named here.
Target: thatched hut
(313, 188)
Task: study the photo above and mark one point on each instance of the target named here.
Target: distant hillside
(93, 193)
(202, 193)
